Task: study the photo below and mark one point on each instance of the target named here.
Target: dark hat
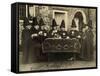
(90, 24)
(62, 24)
(73, 24)
(26, 21)
(34, 21)
(41, 22)
(54, 23)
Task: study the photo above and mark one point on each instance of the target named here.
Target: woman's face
(55, 28)
(36, 26)
(63, 29)
(46, 27)
(42, 27)
(28, 26)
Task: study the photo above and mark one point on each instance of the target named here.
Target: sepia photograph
(56, 37)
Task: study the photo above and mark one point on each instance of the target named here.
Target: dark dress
(63, 34)
(73, 33)
(26, 43)
(35, 47)
(87, 46)
(42, 56)
(43, 36)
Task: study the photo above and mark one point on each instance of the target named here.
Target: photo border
(50, 70)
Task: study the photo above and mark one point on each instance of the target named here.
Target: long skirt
(86, 50)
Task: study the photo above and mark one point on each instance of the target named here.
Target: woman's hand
(34, 35)
(79, 36)
(45, 34)
(41, 32)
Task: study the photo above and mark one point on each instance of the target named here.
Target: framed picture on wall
(51, 37)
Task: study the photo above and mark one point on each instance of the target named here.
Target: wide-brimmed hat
(62, 24)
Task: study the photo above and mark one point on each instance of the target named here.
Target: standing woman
(42, 32)
(53, 33)
(26, 40)
(63, 35)
(34, 48)
(87, 42)
(79, 22)
(42, 36)
(74, 34)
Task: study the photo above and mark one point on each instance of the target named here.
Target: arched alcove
(81, 15)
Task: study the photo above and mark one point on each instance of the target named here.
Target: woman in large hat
(35, 26)
(26, 40)
(54, 31)
(74, 32)
(62, 32)
(42, 32)
(87, 48)
(35, 44)
(42, 36)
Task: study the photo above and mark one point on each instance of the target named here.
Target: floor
(56, 65)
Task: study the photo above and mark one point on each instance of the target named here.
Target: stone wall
(46, 12)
